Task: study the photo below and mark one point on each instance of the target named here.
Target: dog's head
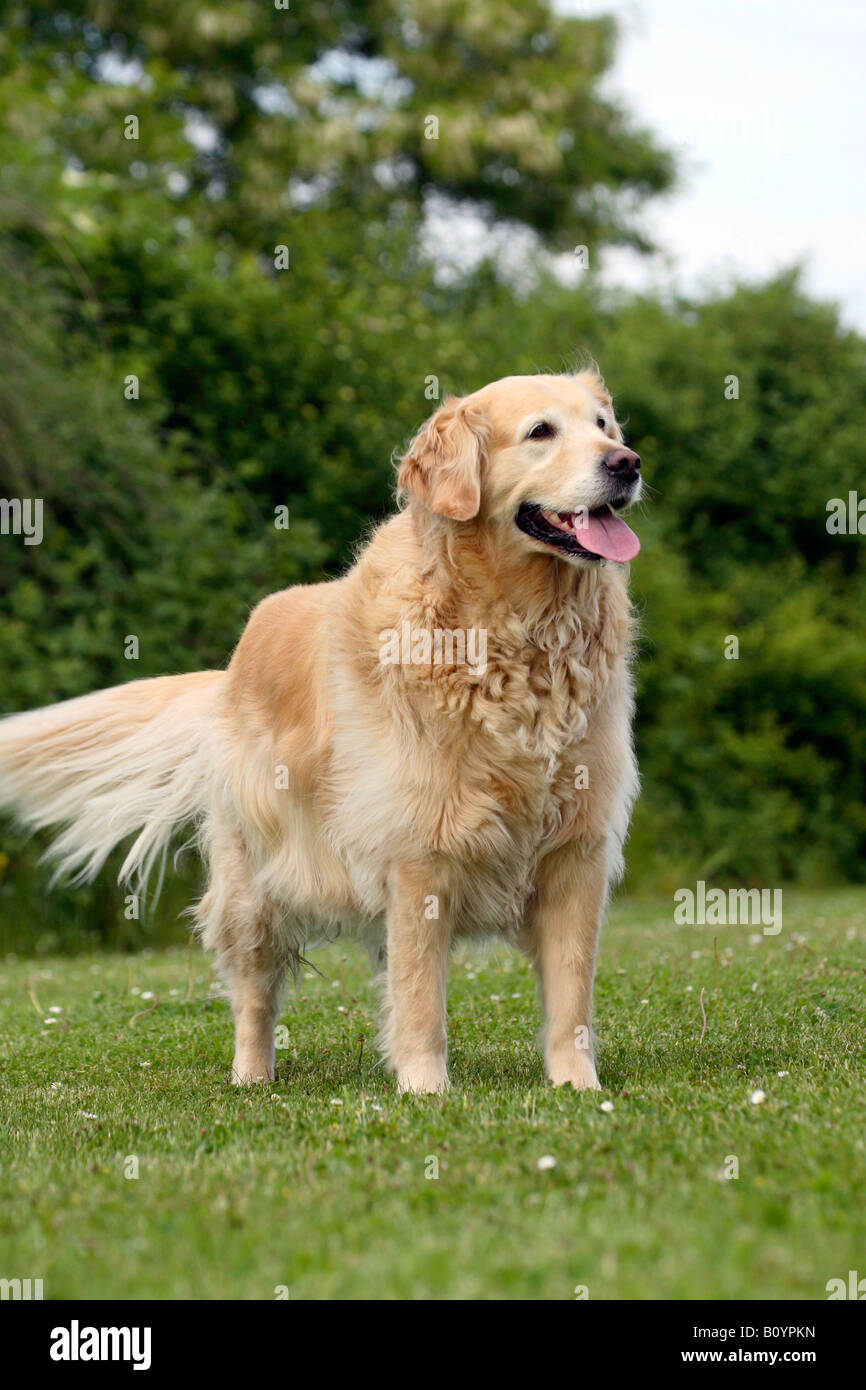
(540, 458)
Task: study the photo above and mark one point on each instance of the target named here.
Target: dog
(435, 745)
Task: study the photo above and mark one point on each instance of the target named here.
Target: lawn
(328, 1184)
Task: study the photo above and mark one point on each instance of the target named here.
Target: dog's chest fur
(495, 768)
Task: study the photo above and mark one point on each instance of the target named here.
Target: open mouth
(595, 535)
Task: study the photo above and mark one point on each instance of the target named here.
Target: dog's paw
(573, 1069)
(250, 1073)
(425, 1076)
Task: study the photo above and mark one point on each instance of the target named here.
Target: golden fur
(421, 800)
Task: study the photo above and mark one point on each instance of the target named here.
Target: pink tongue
(607, 536)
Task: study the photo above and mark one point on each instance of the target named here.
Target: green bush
(262, 389)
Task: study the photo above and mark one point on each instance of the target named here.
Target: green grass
(317, 1182)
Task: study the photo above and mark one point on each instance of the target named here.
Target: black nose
(623, 463)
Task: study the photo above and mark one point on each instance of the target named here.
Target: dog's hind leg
(253, 951)
(257, 979)
(256, 995)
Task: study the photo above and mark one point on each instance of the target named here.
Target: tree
(354, 105)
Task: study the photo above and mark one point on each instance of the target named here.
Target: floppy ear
(442, 467)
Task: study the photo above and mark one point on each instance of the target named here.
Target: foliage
(262, 388)
(331, 104)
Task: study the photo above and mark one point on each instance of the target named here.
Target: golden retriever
(437, 744)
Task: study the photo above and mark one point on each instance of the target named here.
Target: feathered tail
(130, 759)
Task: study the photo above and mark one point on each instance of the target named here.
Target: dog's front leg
(563, 932)
(413, 1036)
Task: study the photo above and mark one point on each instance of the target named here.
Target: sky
(765, 102)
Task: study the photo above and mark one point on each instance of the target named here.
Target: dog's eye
(541, 431)
(602, 423)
